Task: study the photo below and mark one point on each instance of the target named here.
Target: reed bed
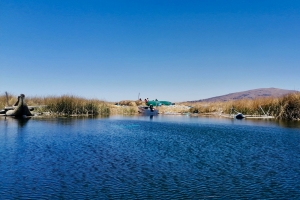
(123, 110)
(66, 105)
(174, 109)
(125, 107)
(286, 107)
(131, 103)
(3, 100)
(289, 107)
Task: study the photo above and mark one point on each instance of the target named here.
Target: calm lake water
(164, 157)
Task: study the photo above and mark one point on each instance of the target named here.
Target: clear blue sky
(165, 49)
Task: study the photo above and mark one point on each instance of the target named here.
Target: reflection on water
(22, 122)
(213, 120)
(143, 157)
(19, 122)
(289, 124)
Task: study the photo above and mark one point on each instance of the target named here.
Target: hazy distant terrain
(250, 94)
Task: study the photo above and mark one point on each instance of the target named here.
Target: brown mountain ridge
(250, 94)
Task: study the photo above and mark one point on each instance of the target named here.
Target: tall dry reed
(123, 109)
(65, 105)
(11, 100)
(289, 107)
(72, 105)
(286, 107)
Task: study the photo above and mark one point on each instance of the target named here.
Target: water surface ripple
(144, 158)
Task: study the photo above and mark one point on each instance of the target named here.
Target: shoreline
(284, 108)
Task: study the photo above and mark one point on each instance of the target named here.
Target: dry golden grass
(131, 103)
(11, 100)
(286, 107)
(173, 109)
(123, 110)
(65, 105)
(2, 102)
(72, 105)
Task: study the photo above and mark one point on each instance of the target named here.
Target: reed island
(284, 108)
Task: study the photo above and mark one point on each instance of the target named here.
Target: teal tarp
(159, 103)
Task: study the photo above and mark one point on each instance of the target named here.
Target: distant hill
(250, 94)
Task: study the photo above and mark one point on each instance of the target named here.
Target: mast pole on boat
(6, 94)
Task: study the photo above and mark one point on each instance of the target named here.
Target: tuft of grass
(68, 105)
(173, 109)
(123, 109)
(289, 107)
(131, 103)
(11, 100)
(2, 101)
(126, 107)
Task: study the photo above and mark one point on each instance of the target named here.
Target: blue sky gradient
(167, 49)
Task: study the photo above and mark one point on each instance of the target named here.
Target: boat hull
(20, 110)
(145, 110)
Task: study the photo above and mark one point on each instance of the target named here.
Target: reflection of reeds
(286, 107)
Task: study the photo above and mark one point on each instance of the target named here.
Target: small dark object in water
(239, 116)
